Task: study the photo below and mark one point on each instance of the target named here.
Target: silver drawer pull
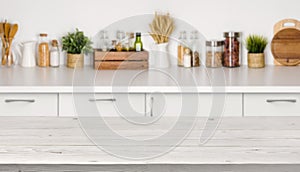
(282, 100)
(102, 100)
(19, 100)
(151, 106)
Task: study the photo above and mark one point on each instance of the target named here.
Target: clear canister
(43, 51)
(232, 49)
(214, 53)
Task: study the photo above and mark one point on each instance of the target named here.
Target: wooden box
(112, 60)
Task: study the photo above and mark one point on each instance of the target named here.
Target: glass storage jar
(214, 53)
(232, 49)
(43, 51)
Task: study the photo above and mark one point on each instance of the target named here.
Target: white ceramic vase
(160, 56)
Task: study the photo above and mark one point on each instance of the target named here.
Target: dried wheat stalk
(161, 27)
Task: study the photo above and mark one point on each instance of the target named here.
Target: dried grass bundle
(162, 27)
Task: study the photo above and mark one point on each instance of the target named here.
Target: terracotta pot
(75, 60)
(256, 60)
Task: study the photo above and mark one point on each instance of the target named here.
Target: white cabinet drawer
(172, 104)
(111, 105)
(28, 105)
(272, 104)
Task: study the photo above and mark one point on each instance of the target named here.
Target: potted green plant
(256, 45)
(76, 44)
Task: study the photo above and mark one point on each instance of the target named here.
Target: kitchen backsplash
(211, 18)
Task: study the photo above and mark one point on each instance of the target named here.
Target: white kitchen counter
(272, 79)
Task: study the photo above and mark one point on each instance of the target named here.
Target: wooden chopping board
(285, 45)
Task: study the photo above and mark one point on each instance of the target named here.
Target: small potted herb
(76, 44)
(256, 45)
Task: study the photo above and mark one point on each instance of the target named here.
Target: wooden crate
(120, 60)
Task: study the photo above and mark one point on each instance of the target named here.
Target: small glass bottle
(138, 45)
(181, 46)
(113, 45)
(54, 54)
(214, 53)
(187, 58)
(232, 49)
(105, 41)
(43, 51)
(126, 46)
(195, 47)
(131, 41)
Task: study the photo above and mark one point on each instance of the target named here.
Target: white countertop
(272, 79)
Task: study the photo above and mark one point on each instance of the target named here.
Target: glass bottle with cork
(181, 46)
(54, 54)
(43, 51)
(195, 48)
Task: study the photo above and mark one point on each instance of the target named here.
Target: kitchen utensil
(6, 30)
(3, 43)
(6, 36)
(26, 50)
(12, 32)
(285, 45)
(3, 55)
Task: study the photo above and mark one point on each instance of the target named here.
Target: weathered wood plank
(149, 168)
(268, 140)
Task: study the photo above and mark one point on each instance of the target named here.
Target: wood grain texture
(121, 56)
(48, 141)
(120, 60)
(149, 168)
(121, 65)
(285, 44)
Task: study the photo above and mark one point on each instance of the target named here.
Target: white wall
(211, 17)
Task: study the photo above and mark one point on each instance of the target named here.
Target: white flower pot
(160, 57)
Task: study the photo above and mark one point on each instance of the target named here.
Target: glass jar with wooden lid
(43, 51)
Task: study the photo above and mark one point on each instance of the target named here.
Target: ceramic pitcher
(27, 53)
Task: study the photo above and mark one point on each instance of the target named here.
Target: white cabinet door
(28, 105)
(110, 105)
(194, 104)
(272, 104)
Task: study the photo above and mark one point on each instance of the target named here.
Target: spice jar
(214, 53)
(54, 54)
(131, 41)
(232, 49)
(195, 49)
(180, 49)
(187, 58)
(43, 51)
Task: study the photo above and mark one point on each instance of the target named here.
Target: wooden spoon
(3, 48)
(6, 35)
(12, 32)
(3, 42)
(6, 30)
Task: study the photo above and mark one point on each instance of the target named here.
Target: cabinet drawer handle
(19, 100)
(151, 106)
(282, 100)
(102, 100)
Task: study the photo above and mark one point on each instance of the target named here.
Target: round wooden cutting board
(285, 45)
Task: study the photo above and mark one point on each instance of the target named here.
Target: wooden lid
(54, 43)
(43, 34)
(285, 45)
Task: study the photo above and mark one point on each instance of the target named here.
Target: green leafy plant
(256, 43)
(76, 43)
